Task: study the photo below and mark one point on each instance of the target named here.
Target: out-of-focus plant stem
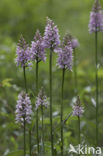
(24, 138)
(24, 117)
(96, 61)
(75, 72)
(30, 141)
(62, 97)
(25, 79)
(25, 123)
(37, 63)
(79, 140)
(43, 131)
(50, 79)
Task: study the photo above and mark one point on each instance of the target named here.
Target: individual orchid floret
(74, 43)
(41, 100)
(38, 48)
(78, 110)
(23, 108)
(23, 53)
(69, 38)
(96, 18)
(65, 55)
(51, 35)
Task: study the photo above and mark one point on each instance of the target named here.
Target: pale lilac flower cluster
(23, 108)
(41, 100)
(23, 53)
(65, 55)
(96, 18)
(51, 35)
(38, 48)
(77, 108)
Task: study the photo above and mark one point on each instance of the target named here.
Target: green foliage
(25, 16)
(6, 83)
(16, 153)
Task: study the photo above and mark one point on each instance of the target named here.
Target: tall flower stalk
(62, 108)
(75, 71)
(78, 111)
(75, 44)
(38, 55)
(24, 119)
(37, 130)
(42, 102)
(23, 58)
(25, 79)
(24, 116)
(64, 62)
(50, 82)
(96, 59)
(51, 41)
(42, 112)
(96, 25)
(24, 138)
(79, 139)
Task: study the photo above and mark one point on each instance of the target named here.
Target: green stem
(30, 142)
(42, 130)
(62, 141)
(24, 117)
(26, 92)
(51, 130)
(24, 138)
(75, 71)
(96, 59)
(37, 109)
(79, 140)
(25, 79)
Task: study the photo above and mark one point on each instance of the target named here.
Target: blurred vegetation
(25, 16)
